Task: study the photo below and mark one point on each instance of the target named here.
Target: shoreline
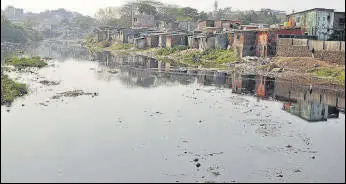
(252, 66)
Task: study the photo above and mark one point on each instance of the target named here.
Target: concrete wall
(162, 40)
(153, 41)
(202, 43)
(338, 16)
(201, 25)
(176, 40)
(245, 43)
(221, 41)
(316, 44)
(329, 51)
(141, 43)
(211, 42)
(187, 25)
(332, 46)
(230, 39)
(193, 42)
(101, 36)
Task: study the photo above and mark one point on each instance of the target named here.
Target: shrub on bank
(10, 89)
(206, 58)
(22, 62)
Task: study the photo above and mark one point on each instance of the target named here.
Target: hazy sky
(89, 7)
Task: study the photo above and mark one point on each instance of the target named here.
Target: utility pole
(132, 15)
(215, 9)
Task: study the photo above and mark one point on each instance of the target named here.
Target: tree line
(121, 16)
(17, 33)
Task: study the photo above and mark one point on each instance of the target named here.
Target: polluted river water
(136, 126)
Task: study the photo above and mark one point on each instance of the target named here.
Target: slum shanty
(292, 38)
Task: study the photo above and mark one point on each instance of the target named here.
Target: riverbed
(142, 126)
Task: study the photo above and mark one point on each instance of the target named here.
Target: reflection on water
(144, 71)
(58, 50)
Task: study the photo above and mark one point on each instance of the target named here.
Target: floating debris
(49, 83)
(113, 71)
(43, 104)
(216, 173)
(73, 93)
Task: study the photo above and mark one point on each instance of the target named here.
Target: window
(324, 18)
(135, 19)
(238, 37)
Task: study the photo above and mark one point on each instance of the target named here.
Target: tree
(191, 12)
(107, 15)
(146, 8)
(30, 23)
(225, 13)
(13, 33)
(83, 22)
(203, 15)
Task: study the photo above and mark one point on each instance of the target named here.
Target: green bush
(22, 62)
(10, 89)
(207, 58)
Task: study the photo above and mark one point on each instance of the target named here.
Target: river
(156, 125)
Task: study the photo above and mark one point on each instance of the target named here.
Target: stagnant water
(156, 127)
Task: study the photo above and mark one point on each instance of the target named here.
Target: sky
(89, 7)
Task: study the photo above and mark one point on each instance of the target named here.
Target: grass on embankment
(169, 51)
(23, 62)
(10, 89)
(121, 49)
(92, 45)
(333, 74)
(125, 46)
(211, 58)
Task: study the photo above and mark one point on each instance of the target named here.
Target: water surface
(147, 126)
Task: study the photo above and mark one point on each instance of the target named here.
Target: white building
(316, 22)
